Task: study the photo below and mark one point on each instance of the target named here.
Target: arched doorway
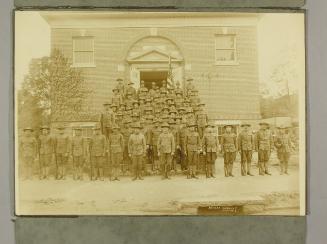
(154, 59)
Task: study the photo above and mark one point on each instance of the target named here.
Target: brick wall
(230, 92)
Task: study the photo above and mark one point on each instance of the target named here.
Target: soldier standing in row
(107, 119)
(166, 147)
(229, 148)
(245, 147)
(201, 119)
(182, 137)
(29, 152)
(283, 144)
(192, 150)
(263, 143)
(98, 149)
(116, 148)
(155, 133)
(127, 131)
(137, 150)
(131, 90)
(46, 152)
(79, 153)
(61, 147)
(210, 146)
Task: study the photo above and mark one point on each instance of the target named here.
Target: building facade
(217, 50)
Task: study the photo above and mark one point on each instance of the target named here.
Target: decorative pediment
(153, 55)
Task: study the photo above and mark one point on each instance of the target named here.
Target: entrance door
(153, 76)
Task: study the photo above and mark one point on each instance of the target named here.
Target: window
(225, 49)
(83, 51)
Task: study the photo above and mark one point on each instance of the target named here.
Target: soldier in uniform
(245, 147)
(142, 92)
(46, 152)
(155, 132)
(116, 148)
(166, 149)
(174, 131)
(192, 150)
(127, 131)
(284, 144)
(28, 148)
(98, 150)
(178, 89)
(210, 146)
(229, 148)
(131, 90)
(117, 98)
(263, 143)
(154, 90)
(107, 119)
(182, 136)
(137, 150)
(120, 87)
(189, 86)
(201, 119)
(61, 146)
(79, 153)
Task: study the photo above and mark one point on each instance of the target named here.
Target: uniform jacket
(156, 131)
(192, 141)
(210, 142)
(28, 146)
(182, 136)
(78, 146)
(46, 144)
(137, 144)
(166, 143)
(263, 140)
(229, 142)
(107, 119)
(98, 145)
(116, 143)
(132, 90)
(283, 143)
(245, 141)
(61, 144)
(201, 119)
(117, 99)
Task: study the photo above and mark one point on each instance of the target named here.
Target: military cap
(189, 79)
(177, 83)
(60, 128)
(129, 93)
(165, 124)
(163, 91)
(148, 99)
(170, 88)
(191, 124)
(189, 111)
(210, 124)
(150, 117)
(148, 108)
(119, 113)
(225, 126)
(130, 82)
(107, 104)
(128, 108)
(200, 104)
(119, 79)
(44, 127)
(135, 102)
(114, 105)
(77, 128)
(127, 121)
(135, 115)
(115, 88)
(142, 98)
(179, 92)
(142, 81)
(194, 90)
(137, 125)
(173, 111)
(187, 101)
(172, 121)
(245, 125)
(165, 108)
(28, 128)
(142, 121)
(169, 98)
(181, 108)
(264, 123)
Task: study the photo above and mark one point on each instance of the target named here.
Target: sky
(280, 38)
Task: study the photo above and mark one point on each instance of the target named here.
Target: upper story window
(83, 51)
(225, 49)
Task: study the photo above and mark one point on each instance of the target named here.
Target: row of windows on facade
(225, 50)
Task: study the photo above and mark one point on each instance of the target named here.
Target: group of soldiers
(162, 127)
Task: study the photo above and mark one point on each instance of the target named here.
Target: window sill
(83, 66)
(227, 63)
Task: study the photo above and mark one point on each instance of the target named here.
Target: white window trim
(83, 65)
(228, 62)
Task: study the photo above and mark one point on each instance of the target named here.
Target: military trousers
(246, 158)
(192, 158)
(283, 159)
(229, 158)
(61, 159)
(78, 161)
(137, 161)
(45, 160)
(97, 161)
(263, 159)
(116, 159)
(166, 163)
(27, 166)
(211, 158)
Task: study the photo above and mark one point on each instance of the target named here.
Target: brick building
(218, 50)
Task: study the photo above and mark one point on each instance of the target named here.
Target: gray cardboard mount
(129, 229)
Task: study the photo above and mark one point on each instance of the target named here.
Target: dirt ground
(154, 196)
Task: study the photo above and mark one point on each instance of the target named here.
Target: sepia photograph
(159, 113)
